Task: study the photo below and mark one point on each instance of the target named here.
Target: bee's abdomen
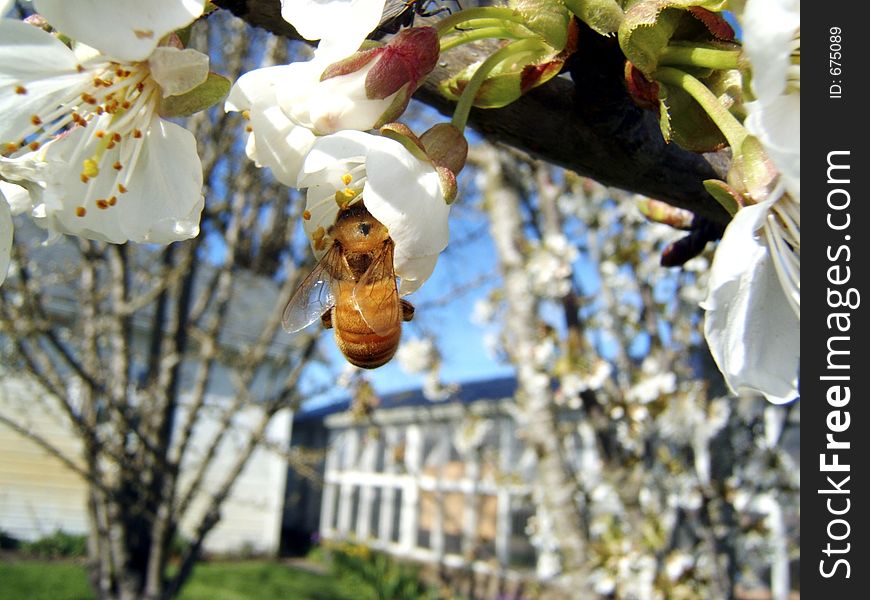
(359, 344)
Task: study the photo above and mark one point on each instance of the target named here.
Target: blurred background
(552, 420)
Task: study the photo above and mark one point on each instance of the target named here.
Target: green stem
(466, 100)
(501, 13)
(484, 33)
(724, 120)
(710, 58)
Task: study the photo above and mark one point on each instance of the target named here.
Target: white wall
(39, 495)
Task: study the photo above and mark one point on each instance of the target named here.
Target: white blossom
(417, 355)
(113, 169)
(400, 190)
(751, 325)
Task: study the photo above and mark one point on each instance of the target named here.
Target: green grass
(43, 580)
(239, 580)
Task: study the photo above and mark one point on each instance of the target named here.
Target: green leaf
(690, 126)
(650, 25)
(213, 90)
(547, 19)
(603, 16)
(723, 194)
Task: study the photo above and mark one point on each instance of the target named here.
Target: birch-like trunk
(556, 494)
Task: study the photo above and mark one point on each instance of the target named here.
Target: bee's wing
(315, 294)
(375, 295)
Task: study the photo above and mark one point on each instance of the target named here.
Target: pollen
(90, 168)
(112, 200)
(33, 146)
(99, 133)
(35, 120)
(117, 166)
(20, 89)
(137, 133)
(122, 188)
(80, 211)
(87, 98)
(346, 178)
(319, 238)
(306, 215)
(12, 147)
(102, 204)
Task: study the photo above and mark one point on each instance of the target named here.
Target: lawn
(239, 580)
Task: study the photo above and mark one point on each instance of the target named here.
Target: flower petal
(769, 27)
(404, 193)
(178, 71)
(164, 190)
(777, 125)
(35, 70)
(279, 143)
(275, 141)
(123, 29)
(341, 24)
(17, 197)
(752, 332)
(6, 227)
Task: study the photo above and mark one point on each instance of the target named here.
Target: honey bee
(353, 291)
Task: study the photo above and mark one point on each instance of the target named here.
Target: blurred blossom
(677, 563)
(470, 434)
(417, 355)
(436, 390)
(483, 312)
(550, 266)
(652, 387)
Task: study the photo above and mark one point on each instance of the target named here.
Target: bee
(352, 290)
(401, 13)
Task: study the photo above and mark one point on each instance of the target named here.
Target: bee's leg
(407, 310)
(326, 319)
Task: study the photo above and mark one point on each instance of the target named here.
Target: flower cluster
(310, 123)
(85, 97)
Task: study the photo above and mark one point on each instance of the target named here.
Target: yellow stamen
(90, 168)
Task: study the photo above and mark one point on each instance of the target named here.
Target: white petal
(280, 144)
(329, 150)
(5, 6)
(17, 197)
(769, 27)
(164, 198)
(178, 71)
(341, 103)
(777, 124)
(752, 332)
(5, 237)
(122, 29)
(256, 86)
(275, 141)
(404, 193)
(294, 91)
(341, 24)
(413, 271)
(38, 62)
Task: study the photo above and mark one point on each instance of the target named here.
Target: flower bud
(374, 86)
